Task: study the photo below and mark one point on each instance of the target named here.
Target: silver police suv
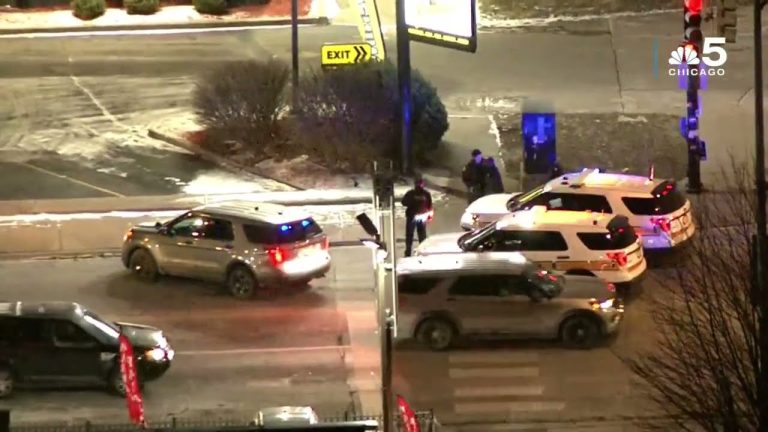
(242, 244)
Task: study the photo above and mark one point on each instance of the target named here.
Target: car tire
(143, 264)
(6, 383)
(241, 283)
(580, 332)
(116, 385)
(436, 333)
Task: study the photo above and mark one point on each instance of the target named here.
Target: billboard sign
(446, 23)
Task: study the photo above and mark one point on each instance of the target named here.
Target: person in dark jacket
(473, 176)
(417, 203)
(493, 183)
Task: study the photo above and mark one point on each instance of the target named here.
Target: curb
(202, 25)
(211, 157)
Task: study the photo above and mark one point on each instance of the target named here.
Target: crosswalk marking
(493, 357)
(516, 372)
(534, 390)
(496, 407)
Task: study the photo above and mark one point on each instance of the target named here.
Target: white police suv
(569, 242)
(656, 209)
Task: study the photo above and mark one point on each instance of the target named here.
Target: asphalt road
(233, 357)
(79, 107)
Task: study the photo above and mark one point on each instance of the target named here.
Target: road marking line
(62, 176)
(493, 357)
(498, 391)
(500, 407)
(519, 372)
(264, 350)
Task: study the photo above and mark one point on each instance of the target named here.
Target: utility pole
(295, 52)
(386, 284)
(694, 40)
(404, 85)
(759, 243)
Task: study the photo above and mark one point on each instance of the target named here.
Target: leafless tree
(704, 368)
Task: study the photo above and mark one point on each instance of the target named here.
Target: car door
(177, 253)
(479, 302)
(211, 247)
(545, 248)
(76, 355)
(33, 349)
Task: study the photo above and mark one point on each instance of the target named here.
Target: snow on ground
(487, 21)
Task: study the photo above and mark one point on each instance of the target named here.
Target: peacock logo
(686, 54)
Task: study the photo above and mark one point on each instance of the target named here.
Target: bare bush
(240, 102)
(704, 371)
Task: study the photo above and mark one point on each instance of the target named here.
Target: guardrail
(426, 419)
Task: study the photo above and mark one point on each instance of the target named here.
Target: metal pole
(760, 217)
(386, 375)
(5, 420)
(386, 276)
(404, 84)
(392, 266)
(295, 51)
(694, 144)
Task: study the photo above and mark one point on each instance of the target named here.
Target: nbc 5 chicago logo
(708, 62)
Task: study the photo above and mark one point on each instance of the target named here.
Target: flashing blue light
(305, 223)
(285, 228)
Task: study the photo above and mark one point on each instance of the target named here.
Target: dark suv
(65, 344)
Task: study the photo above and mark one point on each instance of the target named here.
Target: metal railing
(426, 420)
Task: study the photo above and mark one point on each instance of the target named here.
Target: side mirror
(158, 225)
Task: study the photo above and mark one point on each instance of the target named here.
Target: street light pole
(759, 256)
(295, 52)
(404, 85)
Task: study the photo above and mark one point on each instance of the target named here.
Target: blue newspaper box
(539, 142)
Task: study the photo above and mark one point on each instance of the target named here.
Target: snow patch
(220, 182)
(324, 8)
(112, 171)
(638, 119)
(491, 21)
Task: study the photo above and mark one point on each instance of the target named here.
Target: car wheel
(241, 282)
(143, 265)
(580, 332)
(6, 384)
(116, 385)
(438, 334)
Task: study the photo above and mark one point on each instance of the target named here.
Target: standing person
(418, 205)
(493, 183)
(473, 176)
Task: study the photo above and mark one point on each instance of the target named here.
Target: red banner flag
(409, 416)
(131, 381)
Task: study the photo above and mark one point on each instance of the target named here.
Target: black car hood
(143, 336)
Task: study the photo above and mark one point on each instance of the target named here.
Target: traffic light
(726, 20)
(692, 22)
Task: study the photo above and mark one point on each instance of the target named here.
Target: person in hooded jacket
(473, 176)
(493, 182)
(417, 201)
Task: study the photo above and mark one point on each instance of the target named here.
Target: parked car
(569, 242)
(442, 297)
(61, 343)
(656, 209)
(241, 244)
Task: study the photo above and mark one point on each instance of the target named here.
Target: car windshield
(518, 201)
(471, 240)
(105, 327)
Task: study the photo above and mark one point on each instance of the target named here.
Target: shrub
(211, 7)
(241, 101)
(141, 7)
(88, 9)
(352, 113)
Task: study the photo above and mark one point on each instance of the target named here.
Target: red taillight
(326, 243)
(276, 256)
(619, 258)
(662, 223)
(611, 287)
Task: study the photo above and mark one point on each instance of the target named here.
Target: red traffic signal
(693, 5)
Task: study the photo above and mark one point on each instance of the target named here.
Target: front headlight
(604, 305)
(157, 354)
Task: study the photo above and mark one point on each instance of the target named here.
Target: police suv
(570, 242)
(658, 211)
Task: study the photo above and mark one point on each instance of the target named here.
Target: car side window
(67, 333)
(416, 285)
(216, 229)
(8, 331)
(32, 331)
(481, 286)
(589, 202)
(541, 200)
(189, 226)
(542, 241)
(507, 241)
